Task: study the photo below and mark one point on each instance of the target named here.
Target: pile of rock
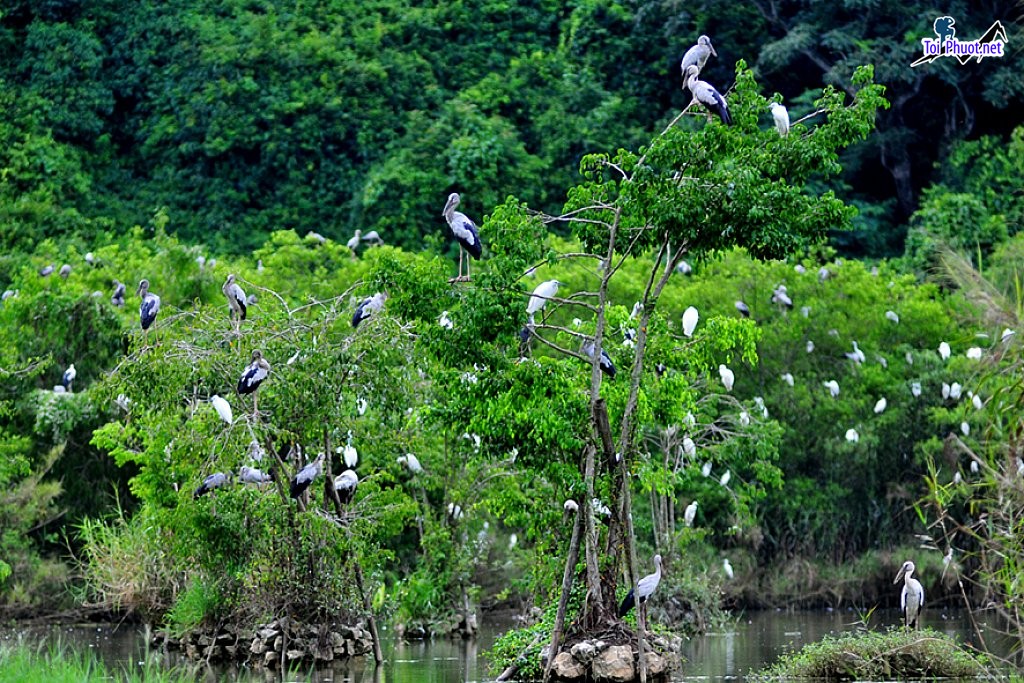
(281, 641)
(596, 660)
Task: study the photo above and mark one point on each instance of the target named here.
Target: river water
(755, 640)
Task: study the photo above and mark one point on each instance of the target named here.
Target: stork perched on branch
(704, 93)
(464, 230)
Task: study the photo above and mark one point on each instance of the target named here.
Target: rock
(258, 647)
(270, 658)
(614, 665)
(566, 667)
(292, 655)
(583, 651)
(656, 664)
(600, 645)
(268, 633)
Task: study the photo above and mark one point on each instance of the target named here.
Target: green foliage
(873, 655)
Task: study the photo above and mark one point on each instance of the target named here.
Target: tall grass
(55, 663)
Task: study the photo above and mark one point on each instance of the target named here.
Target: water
(755, 640)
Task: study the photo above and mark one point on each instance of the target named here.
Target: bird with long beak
(912, 597)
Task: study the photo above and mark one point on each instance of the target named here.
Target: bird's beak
(899, 575)
(712, 47)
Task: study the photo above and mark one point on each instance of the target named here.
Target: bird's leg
(460, 263)
(469, 262)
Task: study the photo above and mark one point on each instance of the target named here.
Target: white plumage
(690, 318)
(68, 377)
(810, 346)
(912, 596)
(891, 315)
(852, 436)
(252, 475)
(974, 353)
(223, 408)
(689, 447)
(880, 405)
(540, 296)
(345, 484)
(857, 356)
(724, 481)
(706, 469)
(444, 321)
(781, 117)
(727, 568)
(690, 514)
(411, 462)
(706, 94)
(944, 351)
(788, 378)
(728, 378)
(833, 387)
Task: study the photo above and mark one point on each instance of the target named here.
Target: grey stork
(607, 367)
(301, 481)
(252, 475)
(464, 230)
(704, 93)
(743, 309)
(345, 484)
(117, 298)
(237, 300)
(150, 305)
(644, 588)
(253, 375)
(214, 481)
(912, 597)
(367, 307)
(69, 377)
(697, 56)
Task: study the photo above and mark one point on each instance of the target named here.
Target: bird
(373, 238)
(411, 462)
(117, 298)
(857, 356)
(690, 318)
(68, 377)
(724, 480)
(454, 512)
(236, 297)
(788, 378)
(464, 230)
(781, 296)
(301, 481)
(824, 274)
(744, 418)
(810, 346)
(353, 242)
(697, 56)
(781, 117)
(880, 405)
(10, 293)
(445, 321)
(316, 236)
(252, 475)
(944, 351)
(607, 367)
(974, 353)
(345, 484)
(570, 506)
(977, 402)
(945, 390)
(728, 378)
(954, 391)
(965, 428)
(727, 568)
(150, 305)
(222, 407)
(214, 481)
(891, 315)
(974, 467)
(361, 405)
(350, 454)
(253, 375)
(912, 596)
(706, 469)
(367, 307)
(65, 271)
(540, 296)
(705, 94)
(46, 271)
(689, 447)
(638, 309)
(690, 514)
(684, 268)
(852, 436)
(743, 309)
(645, 587)
(1006, 334)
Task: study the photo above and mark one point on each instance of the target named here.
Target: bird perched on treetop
(463, 229)
(781, 117)
(540, 296)
(150, 305)
(367, 307)
(705, 94)
(254, 373)
(697, 56)
(237, 300)
(214, 481)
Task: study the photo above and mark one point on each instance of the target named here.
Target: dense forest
(816, 336)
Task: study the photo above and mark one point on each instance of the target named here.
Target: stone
(292, 655)
(267, 633)
(565, 667)
(656, 664)
(269, 658)
(584, 651)
(614, 665)
(258, 647)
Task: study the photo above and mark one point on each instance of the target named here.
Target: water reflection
(755, 640)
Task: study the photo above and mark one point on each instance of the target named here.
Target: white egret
(724, 481)
(411, 462)
(727, 568)
(444, 321)
(833, 387)
(744, 418)
(690, 318)
(965, 428)
(690, 514)
(788, 378)
(915, 389)
(781, 117)
(689, 447)
(706, 469)
(728, 378)
(223, 408)
(880, 405)
(810, 346)
(350, 455)
(944, 351)
(955, 390)
(945, 390)
(852, 436)
(540, 296)
(974, 353)
(977, 402)
(891, 315)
